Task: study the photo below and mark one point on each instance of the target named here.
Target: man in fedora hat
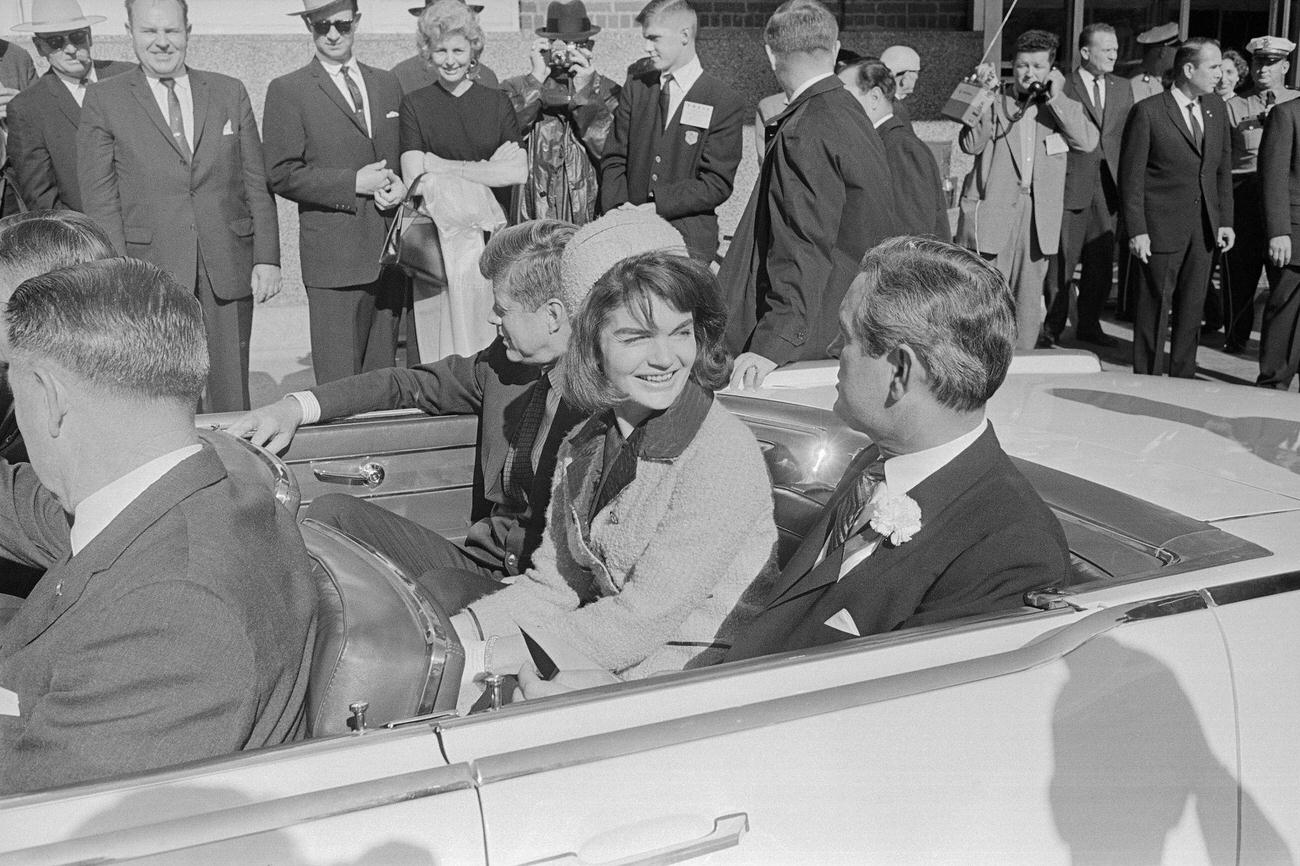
(567, 110)
(43, 119)
(677, 132)
(330, 138)
(169, 162)
(1269, 64)
(413, 73)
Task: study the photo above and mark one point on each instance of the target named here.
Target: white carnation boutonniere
(896, 518)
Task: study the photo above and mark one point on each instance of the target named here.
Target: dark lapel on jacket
(377, 110)
(144, 94)
(62, 97)
(933, 495)
(326, 84)
(1084, 95)
(63, 584)
(200, 89)
(1007, 108)
(1176, 116)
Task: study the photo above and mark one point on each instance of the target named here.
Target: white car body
(1140, 719)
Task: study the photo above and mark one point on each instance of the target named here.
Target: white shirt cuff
(309, 404)
(475, 649)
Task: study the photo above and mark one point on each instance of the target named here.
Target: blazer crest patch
(692, 136)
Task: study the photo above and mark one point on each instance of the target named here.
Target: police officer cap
(1160, 34)
(1270, 46)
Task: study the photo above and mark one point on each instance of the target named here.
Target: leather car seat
(379, 639)
(245, 460)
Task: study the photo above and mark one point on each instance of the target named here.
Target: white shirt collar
(1183, 100)
(182, 81)
(94, 513)
(809, 83)
(881, 122)
(1088, 77)
(336, 69)
(906, 471)
(688, 74)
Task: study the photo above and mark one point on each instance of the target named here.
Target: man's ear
(557, 315)
(54, 401)
(771, 58)
(907, 371)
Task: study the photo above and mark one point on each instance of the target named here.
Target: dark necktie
(1198, 133)
(664, 106)
(174, 117)
(1096, 97)
(517, 477)
(1270, 99)
(850, 508)
(358, 105)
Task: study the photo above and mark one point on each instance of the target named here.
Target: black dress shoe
(1208, 330)
(1099, 338)
(1234, 349)
(1044, 342)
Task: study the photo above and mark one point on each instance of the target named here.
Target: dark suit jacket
(922, 208)
(1166, 186)
(685, 170)
(1085, 169)
(986, 538)
(313, 146)
(184, 630)
(157, 206)
(495, 389)
(824, 197)
(43, 122)
(413, 74)
(1279, 171)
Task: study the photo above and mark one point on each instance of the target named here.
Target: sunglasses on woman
(56, 41)
(322, 28)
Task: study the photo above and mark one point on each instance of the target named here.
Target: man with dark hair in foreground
(176, 618)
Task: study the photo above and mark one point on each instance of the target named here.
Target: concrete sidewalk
(281, 353)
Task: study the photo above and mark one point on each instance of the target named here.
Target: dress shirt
(335, 71)
(94, 513)
(1183, 101)
(902, 474)
(681, 83)
(1088, 79)
(881, 122)
(186, 96)
(75, 86)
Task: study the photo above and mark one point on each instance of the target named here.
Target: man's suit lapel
(144, 95)
(1176, 116)
(64, 584)
(377, 111)
(1212, 129)
(1006, 108)
(202, 95)
(1084, 95)
(324, 82)
(62, 98)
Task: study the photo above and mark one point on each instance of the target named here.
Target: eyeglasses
(322, 28)
(56, 41)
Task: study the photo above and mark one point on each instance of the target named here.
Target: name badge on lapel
(696, 114)
(1056, 144)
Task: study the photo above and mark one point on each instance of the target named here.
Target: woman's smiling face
(648, 358)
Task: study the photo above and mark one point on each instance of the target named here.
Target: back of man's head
(901, 58)
(873, 74)
(36, 242)
(801, 27)
(524, 260)
(949, 305)
(124, 328)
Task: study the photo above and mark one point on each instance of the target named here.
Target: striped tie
(849, 511)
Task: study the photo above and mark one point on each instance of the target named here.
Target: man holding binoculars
(566, 109)
(1012, 200)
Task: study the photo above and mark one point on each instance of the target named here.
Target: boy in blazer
(1279, 171)
(336, 160)
(43, 119)
(932, 521)
(1176, 188)
(677, 132)
(1011, 201)
(169, 162)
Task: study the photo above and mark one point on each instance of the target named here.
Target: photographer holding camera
(566, 109)
(1012, 200)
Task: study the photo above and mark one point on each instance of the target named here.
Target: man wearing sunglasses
(331, 145)
(43, 119)
(169, 162)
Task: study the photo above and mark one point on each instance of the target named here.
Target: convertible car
(1144, 711)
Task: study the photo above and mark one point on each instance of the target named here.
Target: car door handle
(355, 471)
(727, 833)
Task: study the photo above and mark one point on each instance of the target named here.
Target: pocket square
(391, 114)
(227, 129)
(843, 621)
(8, 703)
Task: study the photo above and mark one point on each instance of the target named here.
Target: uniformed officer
(1246, 112)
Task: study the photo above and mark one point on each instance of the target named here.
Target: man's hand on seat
(271, 427)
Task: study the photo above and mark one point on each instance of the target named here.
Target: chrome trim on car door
(1276, 584)
(262, 817)
(1044, 649)
(727, 832)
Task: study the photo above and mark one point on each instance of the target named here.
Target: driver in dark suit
(176, 618)
(932, 522)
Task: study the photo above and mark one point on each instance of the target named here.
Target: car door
(1109, 737)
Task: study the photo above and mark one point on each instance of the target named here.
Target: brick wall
(855, 14)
